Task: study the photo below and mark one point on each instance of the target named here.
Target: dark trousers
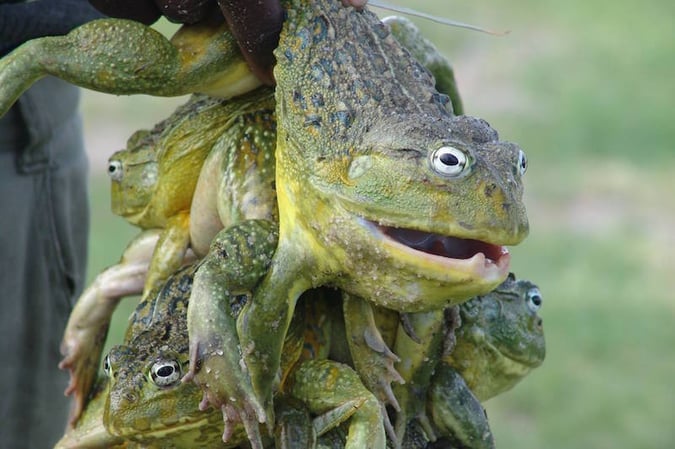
(44, 223)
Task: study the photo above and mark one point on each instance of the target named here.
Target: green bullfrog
(382, 192)
(235, 182)
(148, 403)
(168, 182)
(506, 319)
(499, 341)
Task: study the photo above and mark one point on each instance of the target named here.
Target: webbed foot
(226, 389)
(373, 360)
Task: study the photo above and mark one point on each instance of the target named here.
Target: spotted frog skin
(382, 192)
(155, 185)
(148, 403)
(237, 136)
(124, 57)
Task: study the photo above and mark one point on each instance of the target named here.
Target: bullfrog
(489, 344)
(499, 342)
(154, 180)
(148, 403)
(235, 182)
(382, 192)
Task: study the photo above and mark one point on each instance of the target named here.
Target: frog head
(414, 206)
(133, 174)
(147, 401)
(501, 338)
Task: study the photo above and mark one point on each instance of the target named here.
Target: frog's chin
(480, 259)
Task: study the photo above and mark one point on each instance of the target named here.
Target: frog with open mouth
(150, 201)
(382, 192)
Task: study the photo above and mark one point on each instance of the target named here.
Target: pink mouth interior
(441, 245)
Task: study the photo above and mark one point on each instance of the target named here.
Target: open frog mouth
(442, 245)
(455, 252)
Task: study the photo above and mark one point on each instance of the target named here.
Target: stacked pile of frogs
(322, 264)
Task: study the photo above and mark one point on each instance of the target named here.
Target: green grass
(587, 89)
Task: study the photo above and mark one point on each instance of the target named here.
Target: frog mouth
(449, 250)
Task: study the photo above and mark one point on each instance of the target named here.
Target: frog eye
(522, 162)
(449, 161)
(534, 299)
(165, 373)
(106, 366)
(115, 170)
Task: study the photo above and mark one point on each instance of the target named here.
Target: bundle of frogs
(322, 264)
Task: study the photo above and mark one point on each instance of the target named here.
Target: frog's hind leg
(457, 414)
(88, 323)
(125, 57)
(334, 392)
(420, 356)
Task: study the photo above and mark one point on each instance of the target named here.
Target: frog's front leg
(87, 326)
(264, 322)
(418, 361)
(169, 251)
(335, 393)
(238, 258)
(456, 413)
(125, 57)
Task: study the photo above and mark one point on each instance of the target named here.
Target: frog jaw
(481, 259)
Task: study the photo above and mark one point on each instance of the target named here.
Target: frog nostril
(540, 322)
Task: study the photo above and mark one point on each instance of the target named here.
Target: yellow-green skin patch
(149, 404)
(364, 106)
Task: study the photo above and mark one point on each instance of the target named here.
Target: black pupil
(165, 371)
(111, 168)
(536, 300)
(449, 159)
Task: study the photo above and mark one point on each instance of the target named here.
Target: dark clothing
(21, 21)
(44, 223)
(43, 235)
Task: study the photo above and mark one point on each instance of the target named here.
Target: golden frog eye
(449, 162)
(165, 373)
(534, 300)
(522, 162)
(115, 170)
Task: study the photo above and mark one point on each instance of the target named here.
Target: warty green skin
(161, 411)
(164, 183)
(499, 342)
(510, 328)
(358, 125)
(90, 431)
(124, 57)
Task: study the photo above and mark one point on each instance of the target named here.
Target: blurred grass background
(588, 90)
